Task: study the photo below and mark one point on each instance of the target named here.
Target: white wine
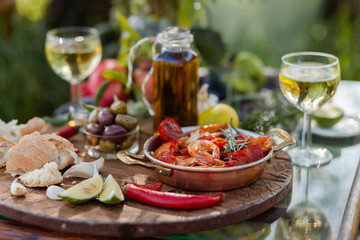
(76, 62)
(308, 88)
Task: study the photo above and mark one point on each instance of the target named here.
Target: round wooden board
(134, 219)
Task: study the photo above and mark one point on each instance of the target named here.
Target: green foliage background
(28, 87)
(269, 29)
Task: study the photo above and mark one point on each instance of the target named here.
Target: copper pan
(206, 179)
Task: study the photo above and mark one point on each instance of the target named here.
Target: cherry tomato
(240, 157)
(255, 152)
(242, 136)
(170, 130)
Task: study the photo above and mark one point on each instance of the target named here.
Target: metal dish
(205, 179)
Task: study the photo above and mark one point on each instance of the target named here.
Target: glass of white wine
(308, 80)
(73, 53)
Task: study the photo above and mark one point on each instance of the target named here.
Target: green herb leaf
(114, 75)
(101, 92)
(88, 107)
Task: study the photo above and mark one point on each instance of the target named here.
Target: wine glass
(308, 80)
(304, 220)
(73, 53)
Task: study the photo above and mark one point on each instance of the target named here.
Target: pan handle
(139, 159)
(288, 139)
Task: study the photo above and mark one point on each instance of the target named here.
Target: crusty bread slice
(31, 153)
(45, 176)
(62, 154)
(33, 125)
(5, 145)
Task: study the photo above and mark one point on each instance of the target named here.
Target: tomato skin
(255, 152)
(242, 136)
(240, 157)
(170, 130)
(171, 200)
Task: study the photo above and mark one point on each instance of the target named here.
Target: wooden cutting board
(133, 219)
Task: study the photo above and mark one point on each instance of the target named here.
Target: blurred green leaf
(250, 66)
(209, 44)
(101, 92)
(88, 107)
(186, 13)
(127, 39)
(116, 76)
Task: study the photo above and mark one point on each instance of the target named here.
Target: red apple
(115, 88)
(139, 77)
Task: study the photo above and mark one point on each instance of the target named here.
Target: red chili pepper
(171, 200)
(155, 187)
(67, 132)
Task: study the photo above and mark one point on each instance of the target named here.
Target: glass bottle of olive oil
(175, 78)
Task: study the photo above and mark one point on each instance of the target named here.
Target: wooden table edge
(351, 218)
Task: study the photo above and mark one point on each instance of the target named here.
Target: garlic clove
(84, 169)
(53, 191)
(17, 189)
(75, 156)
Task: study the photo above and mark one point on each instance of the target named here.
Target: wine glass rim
(93, 31)
(320, 54)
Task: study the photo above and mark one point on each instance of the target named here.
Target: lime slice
(83, 191)
(111, 193)
(328, 115)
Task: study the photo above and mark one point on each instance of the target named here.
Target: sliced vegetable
(171, 200)
(155, 187)
(170, 130)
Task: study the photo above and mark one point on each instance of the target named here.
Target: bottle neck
(175, 39)
(175, 47)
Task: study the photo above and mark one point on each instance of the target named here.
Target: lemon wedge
(328, 115)
(83, 191)
(111, 193)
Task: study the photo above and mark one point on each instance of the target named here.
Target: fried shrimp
(207, 153)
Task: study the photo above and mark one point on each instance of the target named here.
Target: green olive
(91, 140)
(127, 121)
(118, 107)
(107, 145)
(128, 142)
(93, 116)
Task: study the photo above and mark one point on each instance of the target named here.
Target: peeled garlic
(17, 189)
(53, 191)
(204, 100)
(84, 169)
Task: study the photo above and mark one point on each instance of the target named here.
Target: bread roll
(62, 154)
(31, 153)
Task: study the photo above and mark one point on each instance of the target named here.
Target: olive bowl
(107, 146)
(205, 179)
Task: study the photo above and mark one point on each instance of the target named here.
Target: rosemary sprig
(233, 144)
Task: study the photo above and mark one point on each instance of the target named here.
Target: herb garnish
(233, 144)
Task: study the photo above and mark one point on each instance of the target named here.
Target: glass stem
(74, 91)
(306, 131)
(305, 175)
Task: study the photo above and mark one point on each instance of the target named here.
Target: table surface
(331, 189)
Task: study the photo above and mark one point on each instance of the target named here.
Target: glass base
(310, 156)
(96, 153)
